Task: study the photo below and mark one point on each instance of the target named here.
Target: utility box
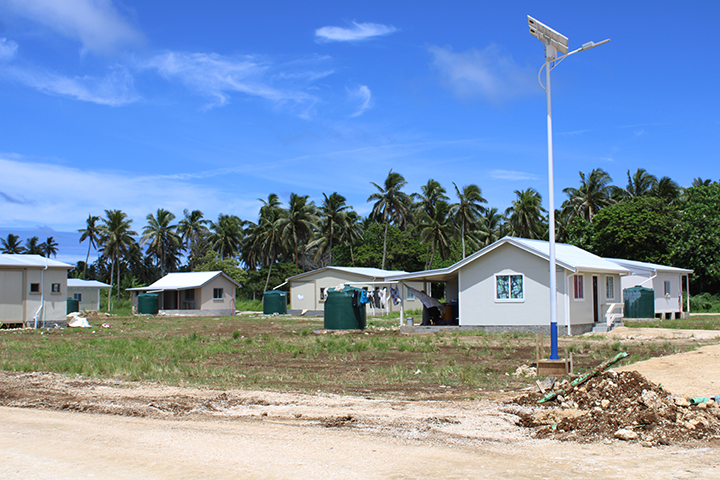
(639, 302)
(343, 310)
(275, 301)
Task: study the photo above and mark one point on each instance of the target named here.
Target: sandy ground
(160, 432)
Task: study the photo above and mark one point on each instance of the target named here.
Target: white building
(666, 283)
(33, 291)
(86, 292)
(505, 286)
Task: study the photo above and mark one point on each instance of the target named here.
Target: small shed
(86, 292)
(192, 293)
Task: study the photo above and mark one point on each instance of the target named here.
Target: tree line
(649, 219)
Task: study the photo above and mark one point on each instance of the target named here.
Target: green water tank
(275, 301)
(639, 302)
(73, 305)
(148, 304)
(340, 314)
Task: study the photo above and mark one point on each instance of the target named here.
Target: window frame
(55, 288)
(322, 294)
(78, 297)
(581, 297)
(509, 299)
(409, 295)
(611, 290)
(218, 293)
(36, 289)
(667, 288)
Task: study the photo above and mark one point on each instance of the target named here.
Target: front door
(596, 313)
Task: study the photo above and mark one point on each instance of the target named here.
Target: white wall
(11, 296)
(89, 297)
(55, 303)
(663, 304)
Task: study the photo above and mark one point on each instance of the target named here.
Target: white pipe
(42, 294)
(645, 281)
(567, 302)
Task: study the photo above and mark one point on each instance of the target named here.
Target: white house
(666, 283)
(86, 292)
(192, 293)
(33, 291)
(307, 290)
(505, 286)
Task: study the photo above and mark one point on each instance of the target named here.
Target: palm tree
(468, 210)
(391, 205)
(666, 189)
(525, 215)
(91, 233)
(32, 246)
(491, 227)
(49, 247)
(640, 183)
(263, 241)
(116, 237)
(298, 223)
(227, 235)
(437, 230)
(699, 182)
(161, 236)
(351, 231)
(11, 245)
(332, 216)
(192, 228)
(594, 193)
(430, 193)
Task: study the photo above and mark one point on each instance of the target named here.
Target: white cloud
(115, 89)
(217, 76)
(490, 74)
(512, 175)
(363, 95)
(359, 31)
(8, 49)
(95, 23)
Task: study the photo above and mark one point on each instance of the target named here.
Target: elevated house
(33, 291)
(192, 293)
(666, 283)
(505, 286)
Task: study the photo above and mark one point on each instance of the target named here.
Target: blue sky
(135, 105)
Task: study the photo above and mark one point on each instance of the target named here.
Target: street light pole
(553, 42)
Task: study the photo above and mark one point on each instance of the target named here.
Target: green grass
(700, 322)
(248, 305)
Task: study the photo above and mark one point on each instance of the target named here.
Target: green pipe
(583, 378)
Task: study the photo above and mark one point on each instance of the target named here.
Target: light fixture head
(548, 36)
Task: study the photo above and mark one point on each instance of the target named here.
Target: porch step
(602, 327)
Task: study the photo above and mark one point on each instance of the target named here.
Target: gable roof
(368, 272)
(183, 281)
(567, 256)
(77, 283)
(30, 261)
(646, 268)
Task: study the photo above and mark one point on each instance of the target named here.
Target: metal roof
(77, 283)
(31, 261)
(183, 281)
(645, 267)
(567, 256)
(364, 271)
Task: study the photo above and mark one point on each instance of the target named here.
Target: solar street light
(554, 42)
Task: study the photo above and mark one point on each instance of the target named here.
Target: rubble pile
(624, 406)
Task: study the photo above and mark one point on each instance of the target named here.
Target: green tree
(392, 205)
(468, 211)
(667, 189)
(161, 237)
(214, 262)
(116, 237)
(32, 246)
(193, 231)
(298, 223)
(594, 193)
(91, 233)
(263, 243)
(640, 183)
(49, 247)
(11, 245)
(404, 250)
(437, 231)
(491, 228)
(227, 235)
(696, 237)
(637, 229)
(525, 215)
(332, 218)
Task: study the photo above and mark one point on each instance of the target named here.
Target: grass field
(295, 354)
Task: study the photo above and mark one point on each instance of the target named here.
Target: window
(409, 295)
(77, 296)
(323, 294)
(509, 288)
(34, 288)
(579, 291)
(667, 288)
(609, 287)
(55, 288)
(189, 294)
(217, 293)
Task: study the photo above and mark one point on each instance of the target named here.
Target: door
(596, 307)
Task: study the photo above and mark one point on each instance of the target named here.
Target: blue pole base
(553, 342)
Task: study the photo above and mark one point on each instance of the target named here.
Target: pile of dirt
(621, 405)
